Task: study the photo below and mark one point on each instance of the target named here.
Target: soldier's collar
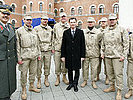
(91, 31)
(111, 28)
(64, 24)
(28, 28)
(45, 27)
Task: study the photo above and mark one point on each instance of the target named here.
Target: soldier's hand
(39, 58)
(82, 59)
(20, 62)
(102, 56)
(63, 59)
(121, 58)
(53, 51)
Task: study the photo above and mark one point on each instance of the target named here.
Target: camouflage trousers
(130, 74)
(45, 62)
(59, 65)
(115, 71)
(31, 66)
(93, 63)
(99, 67)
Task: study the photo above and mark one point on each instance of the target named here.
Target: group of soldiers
(110, 42)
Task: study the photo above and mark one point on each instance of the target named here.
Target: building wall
(67, 4)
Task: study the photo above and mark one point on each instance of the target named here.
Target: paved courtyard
(60, 92)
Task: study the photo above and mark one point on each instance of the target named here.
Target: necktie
(73, 32)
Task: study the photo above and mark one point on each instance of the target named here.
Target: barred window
(72, 11)
(93, 9)
(80, 10)
(116, 8)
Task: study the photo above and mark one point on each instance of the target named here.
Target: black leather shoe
(69, 87)
(75, 88)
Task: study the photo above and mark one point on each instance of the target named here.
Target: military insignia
(1, 28)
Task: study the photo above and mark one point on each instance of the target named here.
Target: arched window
(101, 9)
(24, 9)
(50, 6)
(116, 8)
(93, 9)
(13, 23)
(72, 11)
(1, 3)
(61, 10)
(55, 11)
(80, 10)
(79, 25)
(40, 6)
(13, 8)
(30, 6)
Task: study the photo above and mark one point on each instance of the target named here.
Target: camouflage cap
(28, 17)
(112, 16)
(44, 17)
(63, 14)
(104, 19)
(91, 19)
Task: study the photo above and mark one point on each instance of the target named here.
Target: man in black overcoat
(8, 54)
(73, 52)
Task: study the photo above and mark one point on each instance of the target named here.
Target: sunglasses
(5, 13)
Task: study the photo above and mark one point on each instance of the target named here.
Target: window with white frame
(13, 23)
(93, 9)
(55, 11)
(116, 8)
(13, 8)
(50, 6)
(30, 6)
(1, 3)
(61, 10)
(79, 25)
(80, 10)
(24, 9)
(40, 6)
(101, 9)
(72, 11)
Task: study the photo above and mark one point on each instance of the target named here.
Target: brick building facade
(81, 9)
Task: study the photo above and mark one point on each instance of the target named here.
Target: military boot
(46, 81)
(107, 80)
(32, 88)
(129, 94)
(110, 89)
(24, 94)
(94, 84)
(39, 83)
(84, 83)
(57, 80)
(65, 80)
(118, 96)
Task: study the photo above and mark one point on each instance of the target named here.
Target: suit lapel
(76, 33)
(3, 30)
(11, 35)
(69, 32)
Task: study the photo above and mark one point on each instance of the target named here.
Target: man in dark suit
(8, 54)
(73, 52)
